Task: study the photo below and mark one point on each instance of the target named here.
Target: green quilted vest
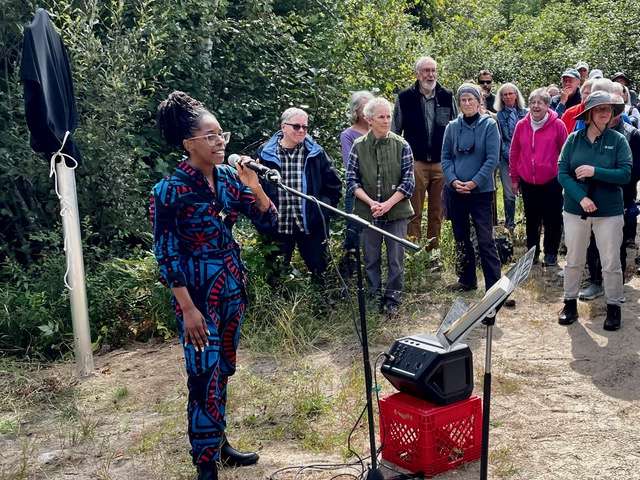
(382, 155)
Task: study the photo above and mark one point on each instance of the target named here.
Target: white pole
(75, 268)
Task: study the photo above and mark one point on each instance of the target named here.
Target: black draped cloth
(50, 105)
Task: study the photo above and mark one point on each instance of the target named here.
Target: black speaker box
(420, 366)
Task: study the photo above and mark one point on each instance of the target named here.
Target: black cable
(353, 429)
(383, 437)
(319, 467)
(377, 390)
(358, 333)
(334, 466)
(360, 460)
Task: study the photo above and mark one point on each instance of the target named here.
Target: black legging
(543, 207)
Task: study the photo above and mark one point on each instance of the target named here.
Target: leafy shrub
(247, 60)
(34, 318)
(126, 302)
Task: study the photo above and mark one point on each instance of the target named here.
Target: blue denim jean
(352, 234)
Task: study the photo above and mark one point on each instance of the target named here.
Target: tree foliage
(536, 41)
(247, 60)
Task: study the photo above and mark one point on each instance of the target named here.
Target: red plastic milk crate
(422, 437)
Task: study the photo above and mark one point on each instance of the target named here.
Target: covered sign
(50, 105)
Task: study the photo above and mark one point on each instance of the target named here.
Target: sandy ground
(565, 403)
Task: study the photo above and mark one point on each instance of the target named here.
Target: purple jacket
(533, 157)
(347, 137)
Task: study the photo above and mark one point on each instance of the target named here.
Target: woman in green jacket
(594, 164)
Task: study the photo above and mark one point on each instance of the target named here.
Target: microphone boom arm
(349, 216)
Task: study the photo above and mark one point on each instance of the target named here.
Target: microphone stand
(489, 320)
(273, 176)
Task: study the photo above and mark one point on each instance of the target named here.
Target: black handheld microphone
(266, 172)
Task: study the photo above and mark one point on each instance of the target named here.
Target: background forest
(247, 60)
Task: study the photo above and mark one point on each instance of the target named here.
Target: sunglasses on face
(485, 82)
(297, 126)
(212, 138)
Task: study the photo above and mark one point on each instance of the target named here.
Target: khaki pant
(429, 180)
(608, 234)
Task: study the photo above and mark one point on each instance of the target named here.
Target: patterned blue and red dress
(194, 247)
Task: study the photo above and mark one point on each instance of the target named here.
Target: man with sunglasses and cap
(595, 163)
(306, 167)
(583, 70)
(570, 93)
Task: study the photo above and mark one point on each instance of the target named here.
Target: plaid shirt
(407, 183)
(292, 172)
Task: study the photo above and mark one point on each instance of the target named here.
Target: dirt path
(566, 404)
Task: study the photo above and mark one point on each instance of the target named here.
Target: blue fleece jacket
(471, 152)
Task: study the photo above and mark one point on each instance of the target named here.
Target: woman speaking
(193, 213)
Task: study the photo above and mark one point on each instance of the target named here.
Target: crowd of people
(571, 152)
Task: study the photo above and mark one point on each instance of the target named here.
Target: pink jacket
(533, 157)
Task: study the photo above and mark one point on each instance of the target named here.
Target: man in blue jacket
(304, 166)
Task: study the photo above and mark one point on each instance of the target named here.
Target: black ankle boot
(614, 318)
(208, 471)
(569, 313)
(231, 457)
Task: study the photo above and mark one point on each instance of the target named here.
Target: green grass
(292, 389)
(120, 393)
(503, 462)
(8, 426)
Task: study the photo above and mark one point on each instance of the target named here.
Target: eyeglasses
(297, 126)
(213, 138)
(485, 82)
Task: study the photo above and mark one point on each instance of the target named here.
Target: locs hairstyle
(178, 117)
